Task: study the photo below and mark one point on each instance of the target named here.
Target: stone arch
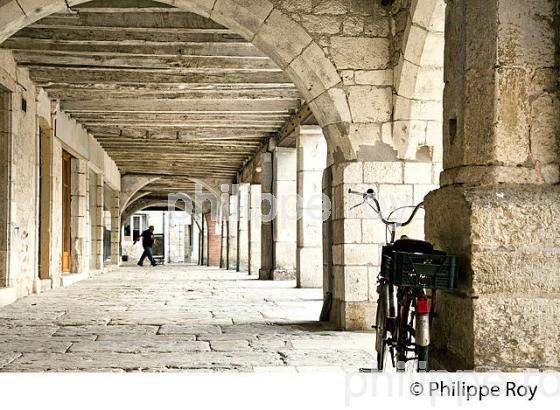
(276, 34)
(130, 186)
(418, 79)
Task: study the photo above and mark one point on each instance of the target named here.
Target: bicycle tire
(380, 333)
(403, 334)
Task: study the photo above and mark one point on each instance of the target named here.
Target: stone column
(99, 227)
(195, 253)
(204, 242)
(187, 242)
(285, 206)
(311, 162)
(499, 206)
(232, 229)
(255, 229)
(224, 243)
(224, 215)
(214, 241)
(115, 228)
(5, 166)
(243, 228)
(266, 221)
(78, 227)
(358, 234)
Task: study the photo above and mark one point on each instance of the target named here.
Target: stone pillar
(115, 228)
(285, 206)
(99, 228)
(195, 253)
(204, 241)
(224, 241)
(266, 221)
(255, 229)
(243, 228)
(358, 234)
(214, 241)
(188, 248)
(176, 234)
(311, 162)
(224, 215)
(232, 229)
(499, 206)
(78, 227)
(5, 171)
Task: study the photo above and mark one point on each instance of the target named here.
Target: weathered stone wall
(33, 143)
(21, 190)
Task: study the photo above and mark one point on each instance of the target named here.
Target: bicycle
(411, 272)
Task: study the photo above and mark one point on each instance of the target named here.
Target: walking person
(147, 243)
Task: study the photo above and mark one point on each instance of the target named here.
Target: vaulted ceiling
(166, 92)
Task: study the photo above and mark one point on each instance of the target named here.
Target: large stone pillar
(267, 246)
(311, 162)
(499, 206)
(285, 207)
(78, 228)
(232, 229)
(255, 221)
(243, 227)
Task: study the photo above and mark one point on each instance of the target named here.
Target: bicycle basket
(420, 270)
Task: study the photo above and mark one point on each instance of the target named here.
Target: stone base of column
(265, 274)
(353, 315)
(283, 274)
(505, 312)
(309, 268)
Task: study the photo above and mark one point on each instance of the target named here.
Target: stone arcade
(107, 107)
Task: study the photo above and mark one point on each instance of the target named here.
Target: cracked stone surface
(176, 318)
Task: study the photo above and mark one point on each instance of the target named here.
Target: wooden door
(66, 211)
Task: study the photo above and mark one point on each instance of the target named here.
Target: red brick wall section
(214, 243)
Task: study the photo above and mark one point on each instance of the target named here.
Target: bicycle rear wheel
(381, 333)
(422, 354)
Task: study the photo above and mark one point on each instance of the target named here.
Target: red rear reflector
(422, 306)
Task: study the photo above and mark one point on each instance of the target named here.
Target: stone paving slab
(176, 318)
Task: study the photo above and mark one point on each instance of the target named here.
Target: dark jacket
(147, 238)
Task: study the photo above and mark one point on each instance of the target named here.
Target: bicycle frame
(396, 304)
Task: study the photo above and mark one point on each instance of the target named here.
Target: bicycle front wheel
(381, 333)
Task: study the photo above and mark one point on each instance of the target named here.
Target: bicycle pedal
(367, 370)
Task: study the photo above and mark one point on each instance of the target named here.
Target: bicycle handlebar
(371, 194)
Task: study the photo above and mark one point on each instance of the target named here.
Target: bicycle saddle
(412, 245)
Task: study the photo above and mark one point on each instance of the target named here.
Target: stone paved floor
(176, 318)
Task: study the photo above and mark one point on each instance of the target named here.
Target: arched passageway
(251, 98)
